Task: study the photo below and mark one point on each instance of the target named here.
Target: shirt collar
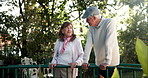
(67, 39)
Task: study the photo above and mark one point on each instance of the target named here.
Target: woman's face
(67, 31)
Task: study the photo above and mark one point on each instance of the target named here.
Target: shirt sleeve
(54, 59)
(88, 47)
(80, 52)
(110, 40)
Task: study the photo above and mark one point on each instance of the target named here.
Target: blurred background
(28, 28)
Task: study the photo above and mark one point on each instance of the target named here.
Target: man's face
(91, 20)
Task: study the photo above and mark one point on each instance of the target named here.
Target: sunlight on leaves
(142, 53)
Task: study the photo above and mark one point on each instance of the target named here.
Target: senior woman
(67, 51)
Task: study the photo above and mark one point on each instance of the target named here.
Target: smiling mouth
(68, 32)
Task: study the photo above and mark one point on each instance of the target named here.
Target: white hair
(98, 16)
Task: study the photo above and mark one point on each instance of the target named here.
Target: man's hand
(85, 66)
(73, 65)
(52, 66)
(103, 66)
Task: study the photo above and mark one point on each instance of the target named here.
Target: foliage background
(33, 31)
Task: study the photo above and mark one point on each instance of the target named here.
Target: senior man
(102, 37)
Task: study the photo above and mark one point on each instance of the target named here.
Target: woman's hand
(52, 66)
(85, 65)
(73, 64)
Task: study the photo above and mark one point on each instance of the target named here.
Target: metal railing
(128, 67)
(15, 68)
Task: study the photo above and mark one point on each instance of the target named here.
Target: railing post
(120, 71)
(67, 72)
(3, 73)
(94, 72)
(107, 73)
(16, 76)
(134, 74)
(8, 72)
(53, 73)
(28, 73)
(80, 72)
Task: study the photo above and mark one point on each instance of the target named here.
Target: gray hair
(98, 16)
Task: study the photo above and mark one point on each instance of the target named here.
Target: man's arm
(88, 47)
(87, 50)
(110, 40)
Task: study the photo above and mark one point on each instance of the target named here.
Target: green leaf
(142, 53)
(116, 73)
(40, 74)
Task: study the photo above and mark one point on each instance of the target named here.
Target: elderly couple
(101, 36)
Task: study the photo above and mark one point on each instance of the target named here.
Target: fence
(122, 68)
